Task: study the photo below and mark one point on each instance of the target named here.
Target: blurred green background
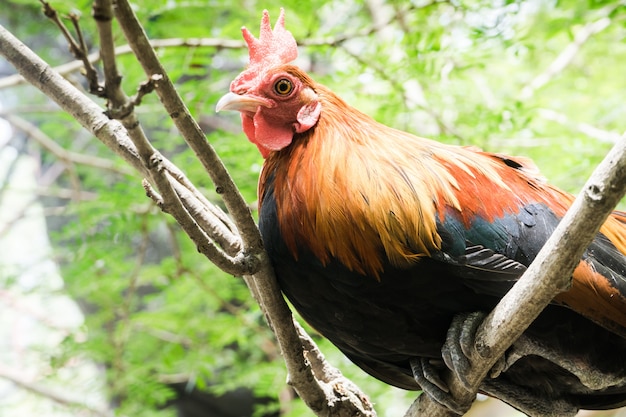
(541, 79)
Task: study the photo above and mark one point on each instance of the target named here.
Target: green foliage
(156, 310)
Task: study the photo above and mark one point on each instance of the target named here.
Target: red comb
(273, 47)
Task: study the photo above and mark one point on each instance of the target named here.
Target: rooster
(380, 239)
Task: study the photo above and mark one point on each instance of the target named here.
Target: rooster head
(276, 100)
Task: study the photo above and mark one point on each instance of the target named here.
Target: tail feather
(599, 285)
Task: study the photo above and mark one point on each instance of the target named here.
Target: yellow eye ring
(283, 87)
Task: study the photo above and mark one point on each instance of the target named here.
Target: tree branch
(549, 274)
(59, 397)
(568, 53)
(86, 112)
(68, 157)
(110, 132)
(593, 132)
(187, 126)
(174, 190)
(77, 48)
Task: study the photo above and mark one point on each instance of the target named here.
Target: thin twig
(64, 155)
(593, 132)
(77, 48)
(63, 398)
(64, 193)
(189, 129)
(568, 54)
(52, 14)
(65, 69)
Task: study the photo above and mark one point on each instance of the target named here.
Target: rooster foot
(455, 352)
(427, 374)
(528, 402)
(459, 347)
(590, 377)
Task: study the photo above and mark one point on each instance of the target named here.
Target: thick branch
(549, 274)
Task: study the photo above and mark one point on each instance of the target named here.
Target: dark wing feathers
(485, 261)
(608, 261)
(489, 256)
(483, 270)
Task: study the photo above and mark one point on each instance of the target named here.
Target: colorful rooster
(380, 238)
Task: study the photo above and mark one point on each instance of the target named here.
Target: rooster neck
(335, 198)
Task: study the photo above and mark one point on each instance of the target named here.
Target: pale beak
(237, 102)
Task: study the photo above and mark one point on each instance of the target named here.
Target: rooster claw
(427, 376)
(456, 352)
(459, 345)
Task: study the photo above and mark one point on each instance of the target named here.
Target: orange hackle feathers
(372, 204)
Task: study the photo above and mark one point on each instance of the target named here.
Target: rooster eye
(283, 87)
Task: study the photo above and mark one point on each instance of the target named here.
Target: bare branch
(209, 222)
(188, 127)
(584, 128)
(77, 48)
(112, 134)
(64, 155)
(85, 111)
(568, 54)
(347, 395)
(171, 203)
(56, 396)
(549, 274)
